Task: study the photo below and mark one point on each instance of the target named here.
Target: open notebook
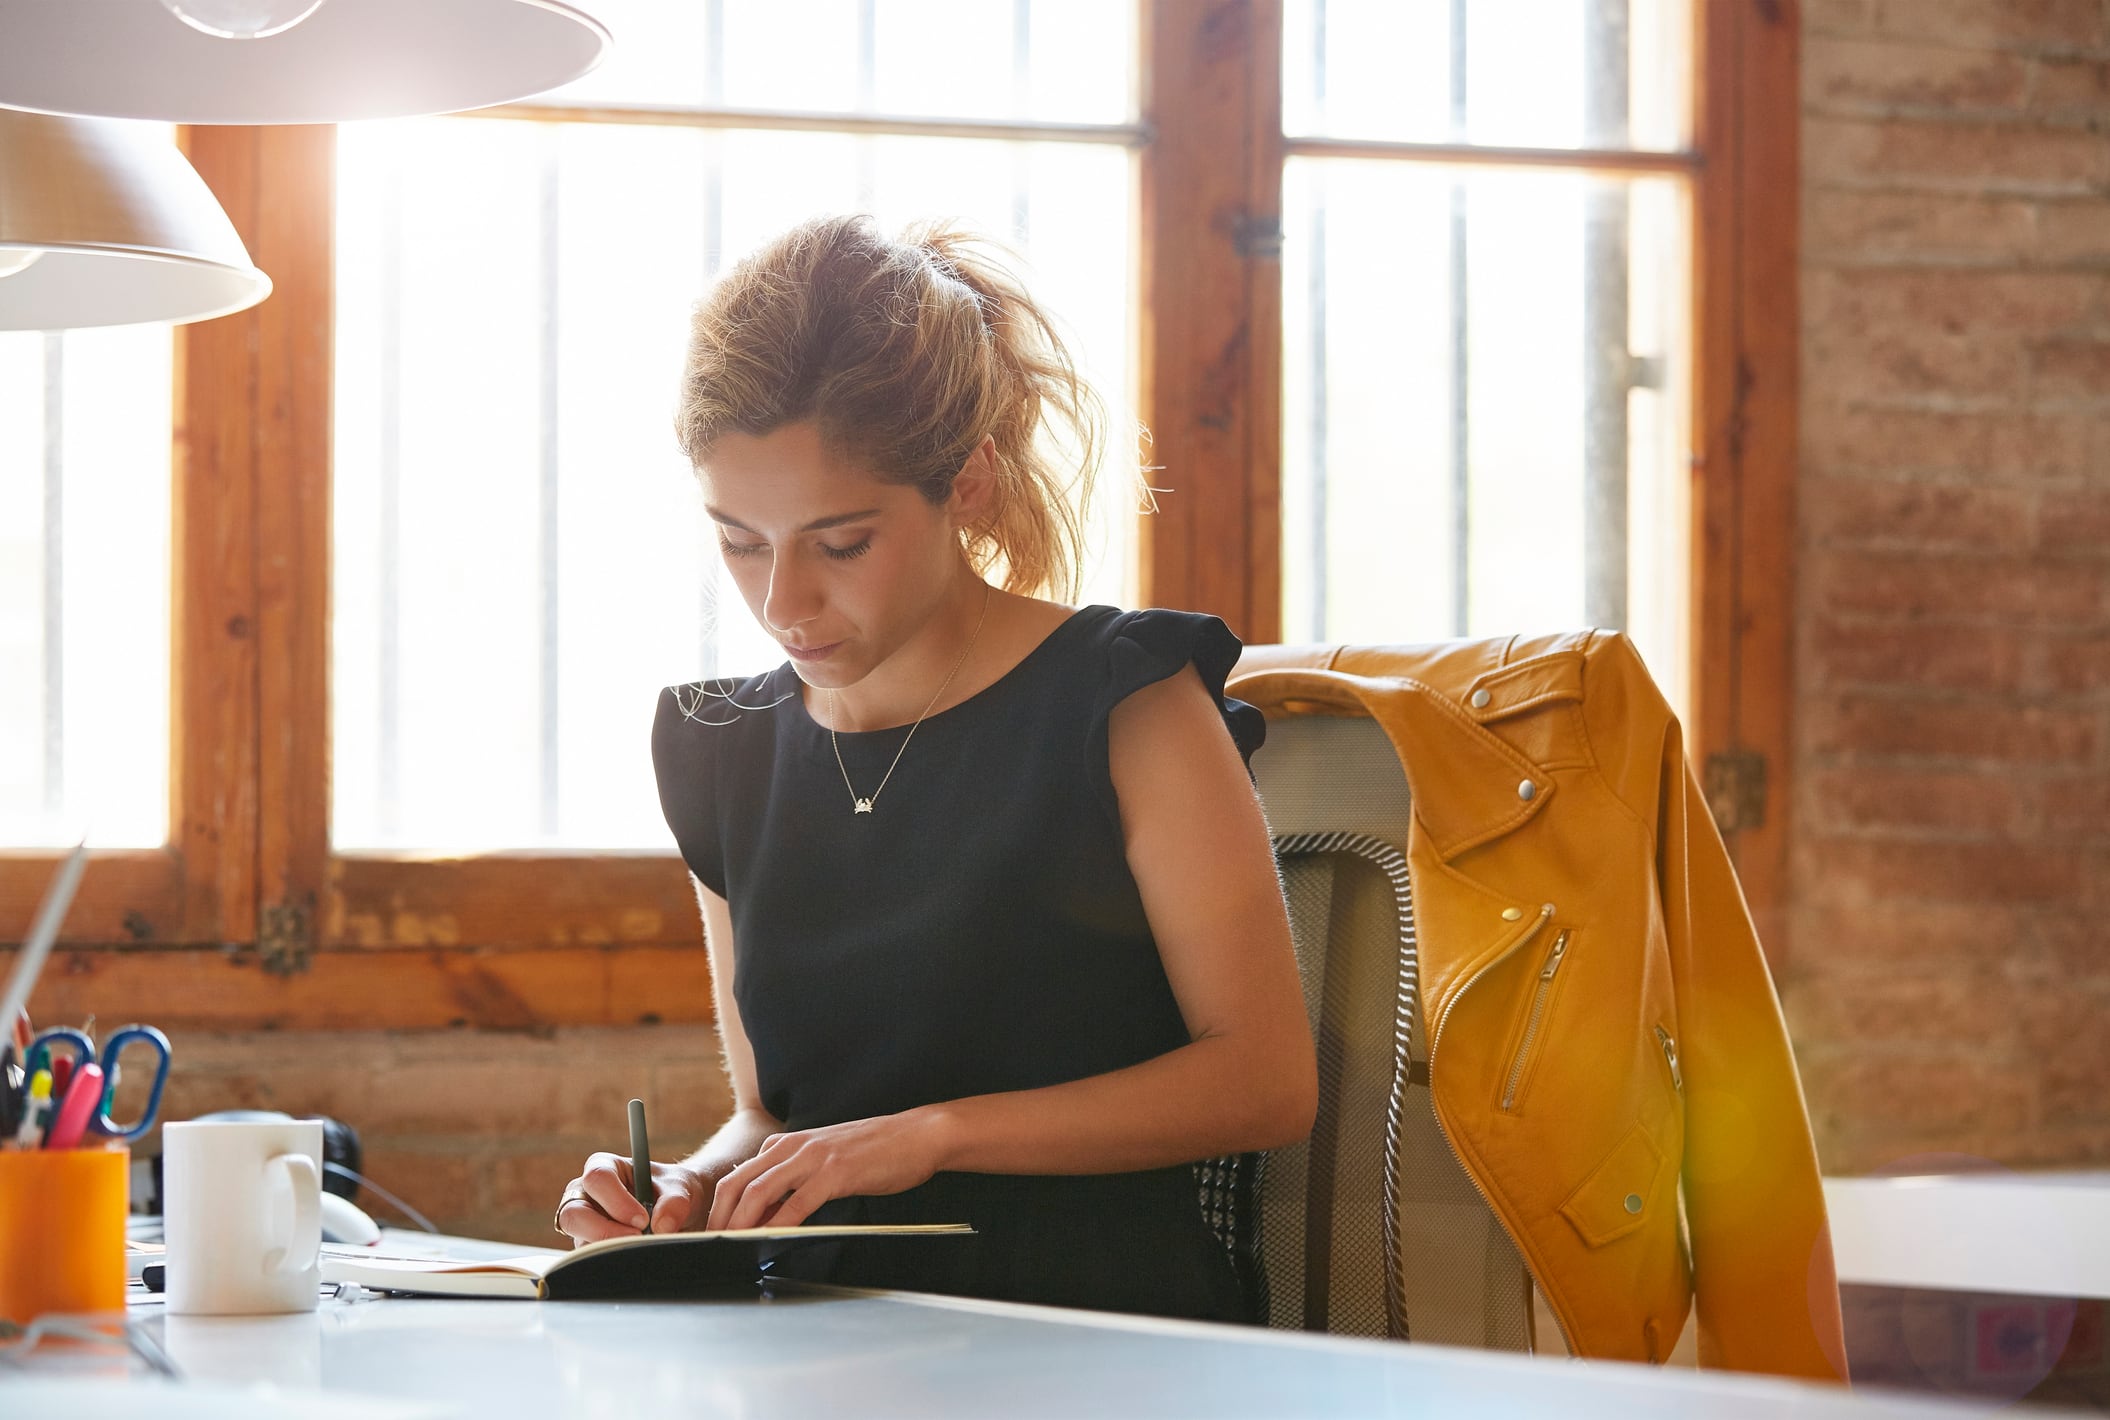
(649, 1265)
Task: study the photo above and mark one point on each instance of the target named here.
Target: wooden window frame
(247, 920)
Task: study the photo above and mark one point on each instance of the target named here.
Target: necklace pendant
(864, 806)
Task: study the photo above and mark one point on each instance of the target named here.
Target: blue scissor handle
(114, 1046)
(77, 1042)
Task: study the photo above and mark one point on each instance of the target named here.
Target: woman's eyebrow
(833, 520)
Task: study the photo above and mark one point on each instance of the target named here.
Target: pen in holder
(62, 1231)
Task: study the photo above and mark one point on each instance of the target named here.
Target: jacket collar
(1468, 784)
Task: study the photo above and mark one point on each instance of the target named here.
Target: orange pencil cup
(62, 1231)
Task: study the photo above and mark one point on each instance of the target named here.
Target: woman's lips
(812, 654)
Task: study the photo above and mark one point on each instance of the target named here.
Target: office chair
(1372, 1227)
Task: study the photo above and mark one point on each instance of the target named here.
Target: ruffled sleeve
(685, 758)
(1144, 647)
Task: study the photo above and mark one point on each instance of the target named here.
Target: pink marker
(83, 1098)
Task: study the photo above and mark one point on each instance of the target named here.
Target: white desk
(818, 1353)
(2045, 1234)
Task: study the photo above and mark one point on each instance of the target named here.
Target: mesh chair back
(1373, 1227)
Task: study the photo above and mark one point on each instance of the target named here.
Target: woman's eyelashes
(753, 549)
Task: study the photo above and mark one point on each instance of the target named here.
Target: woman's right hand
(599, 1204)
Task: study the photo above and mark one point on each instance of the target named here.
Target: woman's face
(840, 568)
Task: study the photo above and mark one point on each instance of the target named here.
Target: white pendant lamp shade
(106, 223)
(334, 62)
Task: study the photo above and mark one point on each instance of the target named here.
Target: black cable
(364, 1182)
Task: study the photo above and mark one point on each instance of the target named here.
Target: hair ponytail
(908, 354)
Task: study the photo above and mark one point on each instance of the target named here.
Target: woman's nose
(793, 596)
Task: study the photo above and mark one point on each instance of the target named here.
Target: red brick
(2074, 232)
(1927, 516)
(2048, 447)
(1842, 224)
(1943, 586)
(1941, 1092)
(1905, 1007)
(2026, 24)
(440, 1182)
(1838, 17)
(1912, 726)
(2072, 88)
(1944, 657)
(1982, 159)
(2063, 1034)
(1901, 363)
(1927, 301)
(2080, 662)
(1863, 74)
(688, 1099)
(1843, 800)
(526, 1181)
(2078, 807)
(2071, 367)
(1921, 936)
(1850, 871)
(1869, 439)
(2076, 521)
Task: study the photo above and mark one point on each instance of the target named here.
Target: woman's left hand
(795, 1173)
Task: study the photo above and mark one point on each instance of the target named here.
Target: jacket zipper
(1670, 1057)
(1539, 997)
(1436, 1039)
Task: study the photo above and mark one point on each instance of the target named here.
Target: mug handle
(299, 1252)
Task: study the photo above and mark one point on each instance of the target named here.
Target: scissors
(82, 1052)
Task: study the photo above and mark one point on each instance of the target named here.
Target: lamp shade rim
(134, 286)
(376, 59)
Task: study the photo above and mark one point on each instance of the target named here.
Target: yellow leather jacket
(1602, 1025)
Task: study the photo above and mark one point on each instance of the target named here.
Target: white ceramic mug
(242, 1216)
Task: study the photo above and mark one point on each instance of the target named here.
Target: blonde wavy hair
(907, 353)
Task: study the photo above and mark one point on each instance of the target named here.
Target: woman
(991, 912)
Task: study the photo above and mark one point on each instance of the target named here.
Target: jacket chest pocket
(1530, 1032)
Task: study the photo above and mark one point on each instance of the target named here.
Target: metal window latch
(285, 938)
(1258, 236)
(1735, 784)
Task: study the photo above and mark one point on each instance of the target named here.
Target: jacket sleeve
(1766, 1292)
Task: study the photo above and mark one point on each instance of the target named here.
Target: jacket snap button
(1633, 1203)
(1527, 791)
(1481, 699)
(1511, 914)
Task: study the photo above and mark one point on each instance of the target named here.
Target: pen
(77, 1108)
(641, 1162)
(36, 1108)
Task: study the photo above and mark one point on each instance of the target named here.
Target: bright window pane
(1517, 73)
(84, 586)
(521, 557)
(1484, 382)
(1058, 60)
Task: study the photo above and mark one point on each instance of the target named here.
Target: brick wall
(478, 1129)
(1950, 979)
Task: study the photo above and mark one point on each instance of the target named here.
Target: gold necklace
(863, 805)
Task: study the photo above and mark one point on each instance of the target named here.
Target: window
(513, 297)
(1443, 317)
(84, 587)
(1485, 366)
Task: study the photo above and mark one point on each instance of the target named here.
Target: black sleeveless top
(979, 931)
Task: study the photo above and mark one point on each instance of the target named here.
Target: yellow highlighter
(36, 1111)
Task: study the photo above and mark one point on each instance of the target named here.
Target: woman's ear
(974, 488)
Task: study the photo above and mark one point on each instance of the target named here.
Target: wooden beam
(124, 896)
(213, 651)
(512, 900)
(1746, 371)
(1209, 357)
(292, 341)
(220, 989)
